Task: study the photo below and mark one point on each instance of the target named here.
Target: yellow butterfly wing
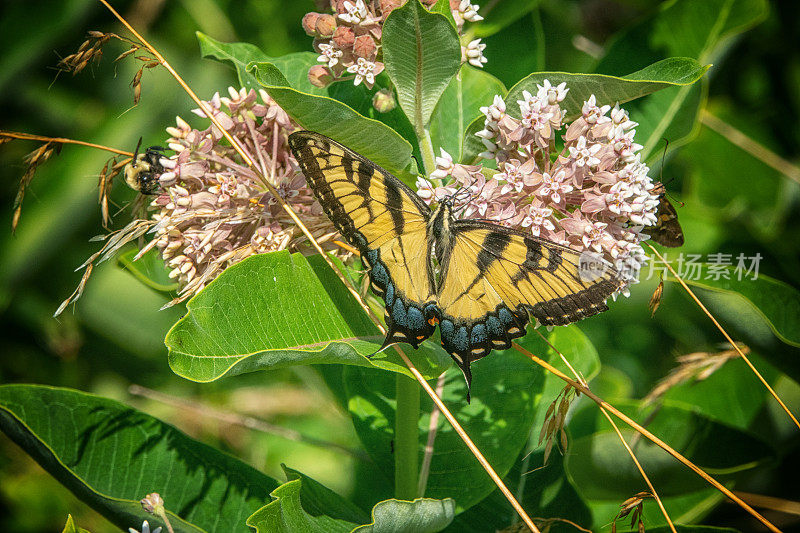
(496, 279)
(385, 220)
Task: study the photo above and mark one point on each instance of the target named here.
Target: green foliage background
(734, 203)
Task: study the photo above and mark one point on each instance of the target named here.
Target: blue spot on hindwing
(505, 317)
(446, 328)
(494, 327)
(460, 341)
(361, 241)
(478, 336)
(379, 275)
(416, 322)
(389, 296)
(399, 314)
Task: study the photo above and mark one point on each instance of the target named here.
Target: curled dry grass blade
(249, 160)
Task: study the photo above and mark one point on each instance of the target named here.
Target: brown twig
(727, 337)
(417, 375)
(61, 140)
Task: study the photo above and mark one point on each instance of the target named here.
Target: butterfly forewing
(384, 220)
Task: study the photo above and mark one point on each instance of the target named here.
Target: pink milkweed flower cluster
(212, 210)
(580, 184)
(348, 40)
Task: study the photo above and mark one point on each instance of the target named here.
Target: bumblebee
(142, 172)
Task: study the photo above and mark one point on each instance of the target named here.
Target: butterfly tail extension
(466, 342)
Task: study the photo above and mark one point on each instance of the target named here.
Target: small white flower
(494, 112)
(538, 218)
(329, 54)
(363, 69)
(354, 13)
(425, 190)
(534, 114)
(584, 155)
(593, 235)
(593, 114)
(554, 186)
(444, 166)
(145, 529)
(473, 53)
(551, 95)
(469, 11)
(619, 117)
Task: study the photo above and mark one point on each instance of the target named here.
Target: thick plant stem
(426, 149)
(406, 439)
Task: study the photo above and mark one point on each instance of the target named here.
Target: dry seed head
(655, 300)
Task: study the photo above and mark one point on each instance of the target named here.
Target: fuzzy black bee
(144, 169)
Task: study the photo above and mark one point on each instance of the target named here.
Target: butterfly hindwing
(383, 218)
(497, 278)
(667, 231)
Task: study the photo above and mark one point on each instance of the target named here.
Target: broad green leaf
(250, 318)
(754, 193)
(505, 385)
(699, 30)
(70, 526)
(423, 515)
(422, 53)
(442, 7)
(297, 508)
(318, 499)
(672, 72)
(601, 469)
(111, 456)
(729, 395)
(370, 138)
(459, 105)
(672, 114)
(294, 67)
(775, 302)
(498, 15)
(286, 514)
(149, 269)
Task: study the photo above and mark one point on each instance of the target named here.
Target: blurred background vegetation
(113, 337)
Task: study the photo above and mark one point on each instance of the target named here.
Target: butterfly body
(479, 282)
